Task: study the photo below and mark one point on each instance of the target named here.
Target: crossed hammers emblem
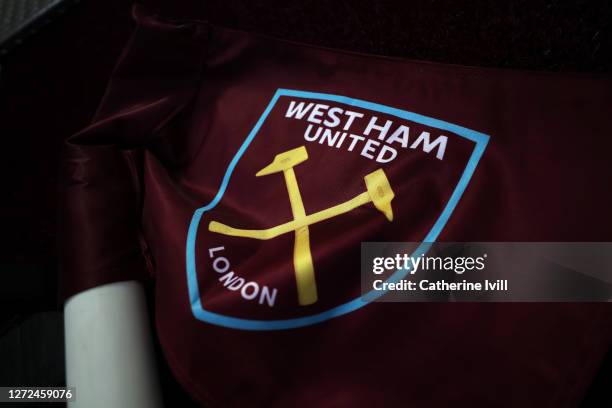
(378, 191)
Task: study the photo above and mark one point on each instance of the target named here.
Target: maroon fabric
(180, 104)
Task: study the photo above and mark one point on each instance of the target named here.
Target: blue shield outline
(200, 313)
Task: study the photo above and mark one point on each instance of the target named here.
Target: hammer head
(284, 161)
(380, 192)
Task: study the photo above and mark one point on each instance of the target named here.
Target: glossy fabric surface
(183, 100)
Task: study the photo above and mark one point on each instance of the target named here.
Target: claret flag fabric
(241, 173)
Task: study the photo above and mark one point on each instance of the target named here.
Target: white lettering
(254, 292)
(298, 111)
(225, 263)
(367, 148)
(317, 113)
(381, 154)
(429, 146)
(335, 120)
(267, 296)
(382, 129)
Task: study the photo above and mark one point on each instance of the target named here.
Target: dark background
(50, 86)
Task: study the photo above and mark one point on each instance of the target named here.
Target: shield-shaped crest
(278, 247)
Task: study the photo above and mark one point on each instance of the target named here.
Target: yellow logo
(378, 191)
